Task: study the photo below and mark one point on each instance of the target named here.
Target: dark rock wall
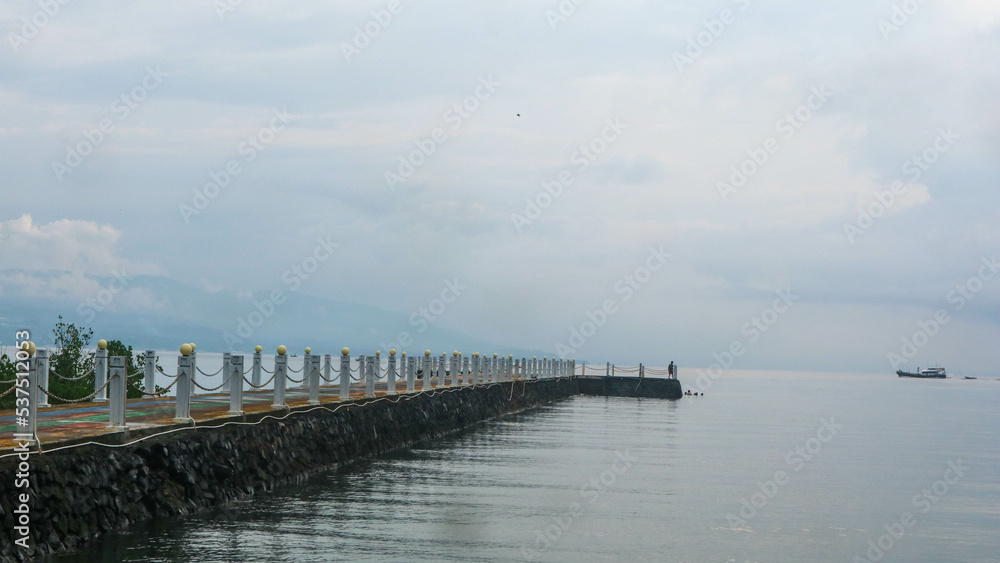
(82, 492)
(630, 387)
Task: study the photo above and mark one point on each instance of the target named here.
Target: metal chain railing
(64, 378)
(81, 399)
(198, 385)
(261, 386)
(159, 393)
(293, 380)
(159, 369)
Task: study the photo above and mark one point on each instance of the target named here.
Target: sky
(731, 184)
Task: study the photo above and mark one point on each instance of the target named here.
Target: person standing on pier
(670, 370)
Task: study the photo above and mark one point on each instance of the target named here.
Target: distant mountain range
(156, 312)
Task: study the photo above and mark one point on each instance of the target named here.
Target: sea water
(764, 467)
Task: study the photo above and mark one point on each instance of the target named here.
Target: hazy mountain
(161, 313)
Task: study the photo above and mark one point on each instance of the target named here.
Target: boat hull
(902, 373)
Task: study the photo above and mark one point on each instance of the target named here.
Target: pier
(107, 461)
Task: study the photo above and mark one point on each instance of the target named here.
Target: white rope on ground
(195, 426)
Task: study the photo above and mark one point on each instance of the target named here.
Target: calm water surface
(819, 465)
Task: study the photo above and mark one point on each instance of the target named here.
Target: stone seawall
(630, 387)
(82, 492)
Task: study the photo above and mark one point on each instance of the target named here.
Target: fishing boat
(926, 373)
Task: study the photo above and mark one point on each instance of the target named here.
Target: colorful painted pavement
(71, 422)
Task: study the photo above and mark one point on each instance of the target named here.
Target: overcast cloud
(726, 149)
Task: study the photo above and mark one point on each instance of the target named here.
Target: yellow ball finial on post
(102, 344)
(281, 350)
(392, 351)
(345, 351)
(308, 350)
(186, 349)
(427, 352)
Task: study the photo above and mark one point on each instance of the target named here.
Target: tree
(134, 364)
(71, 361)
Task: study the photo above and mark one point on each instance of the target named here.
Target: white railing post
(440, 380)
(194, 370)
(101, 371)
(236, 385)
(255, 375)
(390, 383)
(149, 371)
(182, 405)
(227, 360)
(411, 373)
(345, 373)
(313, 380)
(280, 375)
(327, 369)
(116, 395)
(427, 371)
(369, 370)
(42, 359)
(32, 428)
(465, 370)
(306, 363)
